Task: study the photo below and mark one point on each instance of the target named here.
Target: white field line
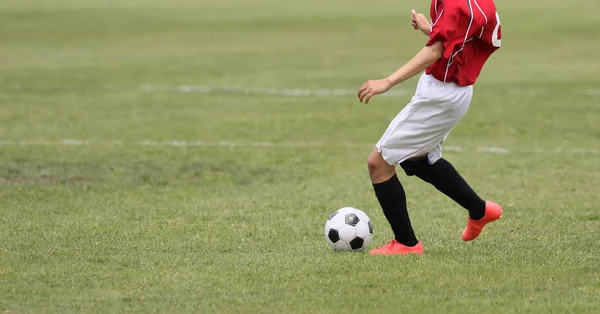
(262, 91)
(310, 92)
(177, 143)
(592, 92)
(232, 89)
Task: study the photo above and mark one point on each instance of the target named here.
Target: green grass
(108, 227)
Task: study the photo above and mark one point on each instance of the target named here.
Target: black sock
(392, 199)
(446, 179)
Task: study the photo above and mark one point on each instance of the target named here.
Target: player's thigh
(412, 137)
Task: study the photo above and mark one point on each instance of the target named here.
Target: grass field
(158, 156)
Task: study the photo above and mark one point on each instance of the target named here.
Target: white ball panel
(342, 246)
(347, 233)
(337, 221)
(346, 210)
(362, 229)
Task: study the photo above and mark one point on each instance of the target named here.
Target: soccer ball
(348, 229)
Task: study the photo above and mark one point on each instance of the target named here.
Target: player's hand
(419, 22)
(372, 88)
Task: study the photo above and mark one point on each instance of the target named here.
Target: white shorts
(423, 125)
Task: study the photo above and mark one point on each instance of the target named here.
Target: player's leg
(391, 197)
(443, 176)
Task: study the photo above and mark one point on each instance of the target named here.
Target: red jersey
(470, 31)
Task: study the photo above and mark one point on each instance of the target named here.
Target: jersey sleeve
(450, 28)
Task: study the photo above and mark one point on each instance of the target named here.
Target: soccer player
(463, 34)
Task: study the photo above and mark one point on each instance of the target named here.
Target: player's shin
(392, 199)
(444, 177)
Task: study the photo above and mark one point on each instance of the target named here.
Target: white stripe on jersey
(480, 10)
(464, 42)
(484, 16)
(433, 23)
(438, 18)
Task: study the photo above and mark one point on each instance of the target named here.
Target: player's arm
(426, 57)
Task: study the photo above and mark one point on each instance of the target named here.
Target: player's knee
(379, 169)
(375, 161)
(372, 164)
(415, 166)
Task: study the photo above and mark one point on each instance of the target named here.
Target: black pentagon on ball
(352, 220)
(332, 215)
(370, 227)
(333, 235)
(357, 243)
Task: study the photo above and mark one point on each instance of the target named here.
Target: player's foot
(396, 248)
(493, 212)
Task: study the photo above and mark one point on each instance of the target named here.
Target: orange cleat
(493, 212)
(396, 248)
